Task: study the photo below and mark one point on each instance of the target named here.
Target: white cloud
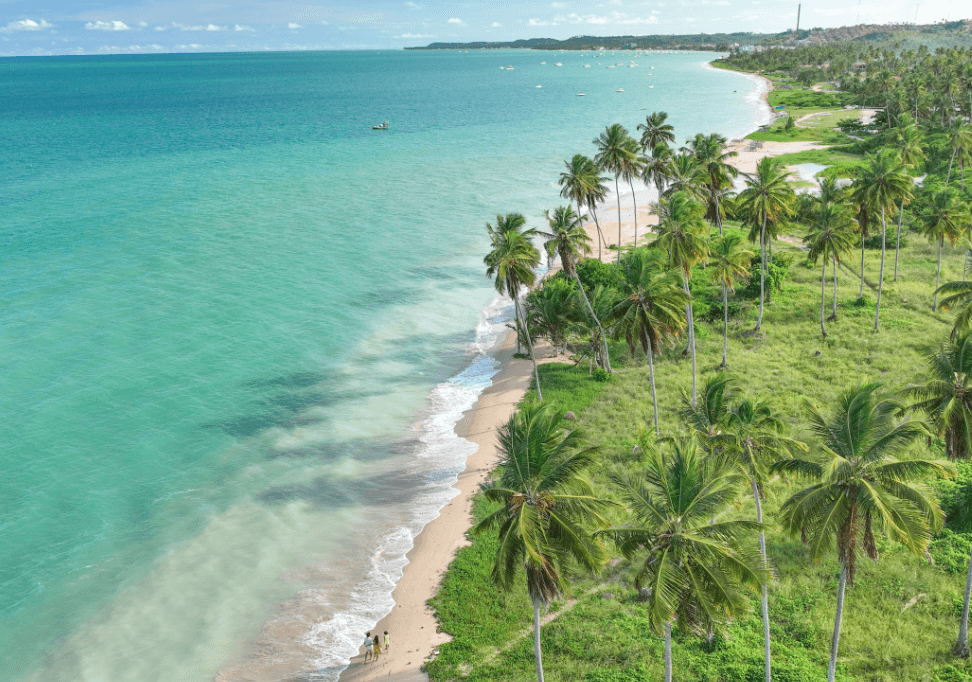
(539, 22)
(413, 36)
(143, 24)
(496, 24)
(26, 25)
(616, 18)
(107, 26)
(238, 27)
(190, 46)
(413, 5)
(455, 21)
(558, 4)
(294, 25)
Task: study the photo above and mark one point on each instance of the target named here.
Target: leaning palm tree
(682, 234)
(728, 260)
(567, 240)
(657, 167)
(945, 218)
(754, 438)
(596, 192)
(908, 139)
(655, 131)
(614, 153)
(958, 295)
(631, 168)
(831, 236)
(649, 311)
(699, 572)
(510, 263)
(860, 489)
(768, 196)
(546, 508)
(883, 182)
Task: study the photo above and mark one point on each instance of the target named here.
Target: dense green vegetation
(838, 432)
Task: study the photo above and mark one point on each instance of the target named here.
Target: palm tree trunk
(526, 332)
(600, 235)
(897, 243)
(607, 360)
(617, 191)
(651, 378)
(725, 327)
(833, 313)
(634, 200)
(949, 176)
(762, 554)
(961, 648)
(762, 273)
(835, 642)
(823, 296)
(938, 274)
(536, 640)
(690, 318)
(877, 312)
(718, 215)
(668, 651)
(860, 294)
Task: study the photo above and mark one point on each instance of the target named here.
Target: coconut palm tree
(682, 233)
(615, 154)
(882, 183)
(960, 140)
(567, 240)
(947, 395)
(684, 175)
(752, 440)
(546, 508)
(768, 196)
(699, 572)
(631, 168)
(728, 260)
(945, 217)
(713, 158)
(649, 311)
(958, 294)
(596, 192)
(657, 167)
(831, 236)
(510, 263)
(860, 489)
(550, 311)
(582, 184)
(710, 418)
(655, 131)
(908, 138)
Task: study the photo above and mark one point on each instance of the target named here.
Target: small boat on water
(538, 86)
(580, 94)
(381, 126)
(651, 86)
(587, 66)
(542, 63)
(620, 90)
(509, 67)
(558, 64)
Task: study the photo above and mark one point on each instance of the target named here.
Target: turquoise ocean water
(237, 327)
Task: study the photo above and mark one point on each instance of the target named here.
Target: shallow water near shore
(238, 326)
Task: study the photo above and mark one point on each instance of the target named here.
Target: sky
(61, 27)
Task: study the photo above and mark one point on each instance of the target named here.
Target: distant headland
(900, 35)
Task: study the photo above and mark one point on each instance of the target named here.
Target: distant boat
(620, 90)
(381, 126)
(538, 86)
(587, 66)
(509, 68)
(651, 86)
(558, 64)
(543, 63)
(580, 94)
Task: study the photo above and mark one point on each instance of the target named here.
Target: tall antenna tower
(798, 17)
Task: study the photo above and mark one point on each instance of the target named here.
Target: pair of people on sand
(373, 646)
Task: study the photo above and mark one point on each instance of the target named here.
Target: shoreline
(412, 626)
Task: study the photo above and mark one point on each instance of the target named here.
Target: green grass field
(601, 633)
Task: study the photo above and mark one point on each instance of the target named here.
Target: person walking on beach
(368, 644)
(386, 640)
(377, 646)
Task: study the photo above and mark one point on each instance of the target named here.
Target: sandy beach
(411, 624)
